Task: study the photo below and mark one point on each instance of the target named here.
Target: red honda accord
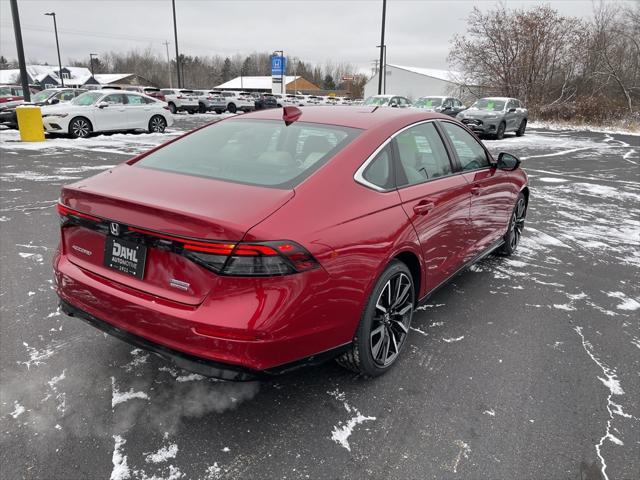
(281, 238)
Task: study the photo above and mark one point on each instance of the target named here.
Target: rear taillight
(253, 259)
(180, 97)
(66, 212)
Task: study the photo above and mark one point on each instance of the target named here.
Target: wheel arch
(525, 192)
(411, 260)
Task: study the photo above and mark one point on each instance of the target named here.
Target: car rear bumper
(277, 325)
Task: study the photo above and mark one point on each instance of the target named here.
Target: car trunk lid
(159, 212)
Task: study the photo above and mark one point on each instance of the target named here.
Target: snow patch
(162, 455)
(120, 468)
(18, 410)
(343, 431)
(118, 397)
(451, 340)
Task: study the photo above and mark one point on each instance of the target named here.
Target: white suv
(242, 101)
(181, 99)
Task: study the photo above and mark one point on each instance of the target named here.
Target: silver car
(495, 116)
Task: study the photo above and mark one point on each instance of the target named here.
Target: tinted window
(422, 154)
(379, 170)
(257, 152)
(489, 104)
(470, 153)
(115, 99)
(135, 100)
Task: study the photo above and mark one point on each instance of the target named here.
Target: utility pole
(175, 34)
(24, 80)
(55, 28)
(166, 44)
(382, 48)
(91, 55)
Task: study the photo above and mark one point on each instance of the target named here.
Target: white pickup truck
(181, 100)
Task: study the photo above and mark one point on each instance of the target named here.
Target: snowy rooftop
(252, 83)
(104, 78)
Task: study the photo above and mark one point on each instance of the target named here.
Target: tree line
(205, 72)
(561, 67)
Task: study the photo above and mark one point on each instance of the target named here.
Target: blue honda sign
(278, 66)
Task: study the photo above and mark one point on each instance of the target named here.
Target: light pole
(383, 69)
(55, 28)
(24, 79)
(175, 34)
(382, 49)
(91, 55)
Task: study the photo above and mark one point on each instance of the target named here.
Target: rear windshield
(255, 152)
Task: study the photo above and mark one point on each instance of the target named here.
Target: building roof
(253, 83)
(9, 76)
(105, 78)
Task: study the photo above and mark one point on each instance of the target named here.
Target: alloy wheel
(158, 124)
(392, 317)
(517, 223)
(80, 128)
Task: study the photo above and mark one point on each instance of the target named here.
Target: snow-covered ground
(522, 366)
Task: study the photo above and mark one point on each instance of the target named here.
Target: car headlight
(61, 115)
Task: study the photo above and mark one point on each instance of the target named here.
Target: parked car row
(487, 116)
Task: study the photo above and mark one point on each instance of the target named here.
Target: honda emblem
(114, 228)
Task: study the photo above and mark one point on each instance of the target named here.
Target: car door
(435, 198)
(113, 116)
(511, 115)
(138, 111)
(492, 198)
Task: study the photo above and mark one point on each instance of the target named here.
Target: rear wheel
(521, 128)
(500, 133)
(172, 108)
(218, 111)
(80, 127)
(516, 227)
(232, 108)
(157, 124)
(202, 108)
(384, 325)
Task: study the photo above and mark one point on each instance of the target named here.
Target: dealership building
(293, 84)
(414, 82)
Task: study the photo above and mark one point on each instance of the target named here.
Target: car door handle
(423, 208)
(476, 190)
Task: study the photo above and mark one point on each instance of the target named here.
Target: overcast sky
(417, 34)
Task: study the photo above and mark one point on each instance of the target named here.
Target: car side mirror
(102, 104)
(507, 162)
(511, 110)
(54, 101)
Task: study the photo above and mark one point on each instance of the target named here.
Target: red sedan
(285, 237)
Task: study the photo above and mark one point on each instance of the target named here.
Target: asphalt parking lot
(522, 368)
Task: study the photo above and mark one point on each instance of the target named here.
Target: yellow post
(30, 123)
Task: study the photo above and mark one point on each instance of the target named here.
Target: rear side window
(255, 152)
(470, 153)
(379, 170)
(135, 100)
(422, 154)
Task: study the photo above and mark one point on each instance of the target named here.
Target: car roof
(434, 96)
(364, 117)
(498, 98)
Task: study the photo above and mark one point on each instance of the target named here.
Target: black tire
(202, 108)
(172, 108)
(521, 128)
(157, 124)
(232, 108)
(80, 127)
(218, 111)
(516, 227)
(379, 326)
(501, 129)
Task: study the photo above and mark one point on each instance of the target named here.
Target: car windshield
(376, 101)
(489, 104)
(256, 152)
(43, 95)
(88, 98)
(428, 102)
